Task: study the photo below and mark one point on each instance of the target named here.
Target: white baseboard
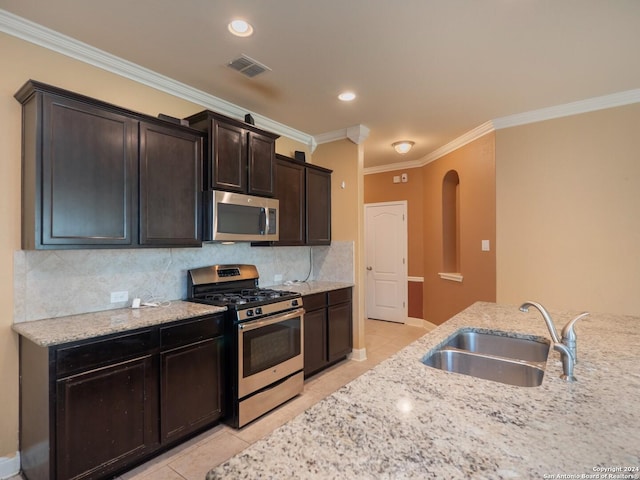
(9, 466)
(358, 354)
(419, 322)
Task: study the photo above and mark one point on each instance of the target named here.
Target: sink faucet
(567, 346)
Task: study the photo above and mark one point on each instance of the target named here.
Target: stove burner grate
(247, 295)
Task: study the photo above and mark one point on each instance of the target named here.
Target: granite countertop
(403, 419)
(55, 331)
(309, 288)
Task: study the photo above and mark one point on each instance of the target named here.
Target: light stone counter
(403, 419)
(309, 288)
(54, 331)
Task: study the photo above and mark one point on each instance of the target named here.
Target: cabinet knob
(369, 268)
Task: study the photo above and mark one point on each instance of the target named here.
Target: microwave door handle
(264, 221)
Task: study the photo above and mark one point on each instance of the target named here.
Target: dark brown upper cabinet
(304, 192)
(170, 183)
(239, 157)
(290, 191)
(98, 176)
(318, 205)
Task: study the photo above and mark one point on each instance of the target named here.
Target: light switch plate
(486, 245)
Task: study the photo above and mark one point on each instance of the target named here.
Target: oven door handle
(263, 322)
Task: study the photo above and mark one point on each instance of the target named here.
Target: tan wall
(568, 218)
(347, 211)
(287, 147)
(22, 61)
(379, 187)
(342, 158)
(475, 164)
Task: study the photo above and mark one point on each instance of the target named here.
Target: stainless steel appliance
(264, 338)
(234, 217)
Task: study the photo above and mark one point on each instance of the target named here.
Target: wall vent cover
(248, 66)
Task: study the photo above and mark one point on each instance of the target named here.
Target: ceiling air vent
(248, 66)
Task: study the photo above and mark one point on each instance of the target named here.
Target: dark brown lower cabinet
(328, 329)
(94, 408)
(191, 393)
(106, 418)
(339, 325)
(315, 340)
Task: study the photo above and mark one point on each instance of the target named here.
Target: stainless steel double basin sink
(492, 355)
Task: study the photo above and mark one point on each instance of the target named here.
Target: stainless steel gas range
(264, 331)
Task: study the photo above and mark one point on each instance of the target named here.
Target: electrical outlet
(118, 297)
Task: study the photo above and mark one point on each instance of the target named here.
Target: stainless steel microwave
(234, 217)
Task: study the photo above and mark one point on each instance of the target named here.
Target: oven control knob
(259, 311)
(294, 303)
(249, 313)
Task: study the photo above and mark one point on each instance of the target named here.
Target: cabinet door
(191, 388)
(89, 181)
(262, 152)
(228, 168)
(339, 327)
(106, 418)
(290, 192)
(318, 206)
(170, 186)
(315, 341)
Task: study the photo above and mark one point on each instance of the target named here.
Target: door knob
(369, 268)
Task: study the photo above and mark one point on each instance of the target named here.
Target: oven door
(269, 349)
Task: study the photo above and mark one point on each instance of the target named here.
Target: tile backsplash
(56, 283)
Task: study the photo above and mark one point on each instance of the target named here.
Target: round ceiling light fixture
(347, 96)
(403, 146)
(240, 28)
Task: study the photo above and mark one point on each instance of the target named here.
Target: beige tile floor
(194, 458)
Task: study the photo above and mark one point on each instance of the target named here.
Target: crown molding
(574, 108)
(461, 141)
(57, 42)
(357, 134)
(390, 167)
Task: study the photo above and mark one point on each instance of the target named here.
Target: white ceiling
(425, 70)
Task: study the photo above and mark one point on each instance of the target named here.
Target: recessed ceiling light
(347, 96)
(240, 28)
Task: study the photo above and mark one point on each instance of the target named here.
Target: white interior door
(386, 253)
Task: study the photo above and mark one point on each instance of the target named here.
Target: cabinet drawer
(87, 356)
(190, 332)
(314, 301)
(339, 296)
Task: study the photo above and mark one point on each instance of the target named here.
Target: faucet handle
(568, 331)
(569, 336)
